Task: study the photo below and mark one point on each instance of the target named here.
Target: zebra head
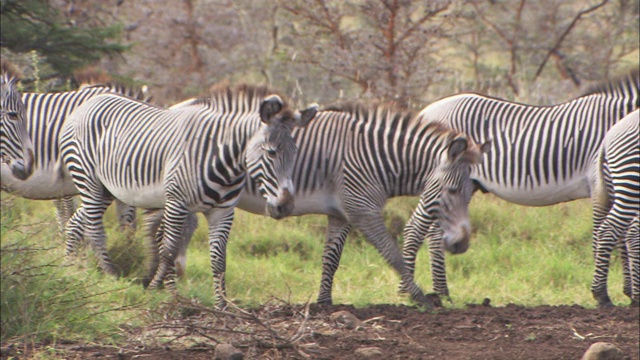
(453, 188)
(271, 154)
(16, 149)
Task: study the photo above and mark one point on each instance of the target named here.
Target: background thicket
(323, 50)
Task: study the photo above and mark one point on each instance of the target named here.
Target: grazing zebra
(354, 158)
(47, 113)
(616, 207)
(186, 160)
(16, 149)
(540, 155)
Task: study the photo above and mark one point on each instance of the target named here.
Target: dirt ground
(377, 332)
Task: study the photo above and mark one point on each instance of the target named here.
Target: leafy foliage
(29, 25)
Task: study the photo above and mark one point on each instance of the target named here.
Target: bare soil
(389, 331)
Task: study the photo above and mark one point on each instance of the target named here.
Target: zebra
(16, 148)
(355, 157)
(616, 207)
(540, 155)
(46, 114)
(186, 160)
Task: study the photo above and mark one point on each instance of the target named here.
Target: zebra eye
(453, 191)
(270, 151)
(12, 115)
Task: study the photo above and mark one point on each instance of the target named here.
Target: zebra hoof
(606, 305)
(430, 301)
(222, 306)
(604, 302)
(325, 302)
(111, 270)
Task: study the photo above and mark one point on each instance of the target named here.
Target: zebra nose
(24, 168)
(457, 239)
(462, 243)
(284, 205)
(460, 247)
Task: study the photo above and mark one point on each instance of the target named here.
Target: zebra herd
(245, 146)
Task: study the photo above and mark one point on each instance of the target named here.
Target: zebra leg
(372, 226)
(190, 226)
(126, 216)
(153, 230)
(414, 235)
(438, 269)
(65, 208)
(601, 203)
(602, 259)
(624, 258)
(153, 233)
(632, 242)
(419, 227)
(74, 231)
(337, 232)
(172, 224)
(92, 213)
(220, 221)
(607, 237)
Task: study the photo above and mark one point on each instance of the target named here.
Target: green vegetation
(36, 25)
(520, 255)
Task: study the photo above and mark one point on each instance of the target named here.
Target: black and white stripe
(540, 155)
(616, 207)
(16, 148)
(354, 158)
(46, 114)
(184, 160)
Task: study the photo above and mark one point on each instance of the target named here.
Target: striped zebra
(16, 148)
(616, 207)
(540, 155)
(186, 160)
(46, 114)
(354, 158)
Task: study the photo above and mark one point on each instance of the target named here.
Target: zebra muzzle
(283, 207)
(23, 169)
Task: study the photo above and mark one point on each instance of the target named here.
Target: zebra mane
(10, 72)
(364, 108)
(398, 113)
(92, 78)
(228, 98)
(621, 84)
(138, 93)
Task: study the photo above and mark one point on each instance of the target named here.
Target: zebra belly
(306, 203)
(43, 184)
(542, 195)
(151, 196)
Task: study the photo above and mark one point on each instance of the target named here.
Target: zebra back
(540, 155)
(624, 87)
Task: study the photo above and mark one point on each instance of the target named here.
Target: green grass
(521, 255)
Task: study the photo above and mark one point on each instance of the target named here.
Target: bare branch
(556, 47)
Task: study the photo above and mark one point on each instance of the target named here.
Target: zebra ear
(457, 147)
(269, 107)
(306, 115)
(486, 147)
